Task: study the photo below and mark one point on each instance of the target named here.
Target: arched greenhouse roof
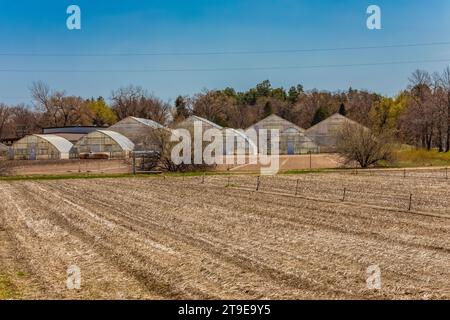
(61, 144)
(212, 124)
(120, 139)
(3, 147)
(239, 133)
(149, 123)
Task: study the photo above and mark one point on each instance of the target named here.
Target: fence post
(203, 178)
(134, 163)
(296, 187)
(258, 182)
(404, 173)
(410, 202)
(343, 197)
(310, 160)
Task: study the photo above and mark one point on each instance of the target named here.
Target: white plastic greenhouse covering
(248, 146)
(197, 118)
(4, 150)
(149, 123)
(326, 133)
(121, 140)
(41, 147)
(62, 145)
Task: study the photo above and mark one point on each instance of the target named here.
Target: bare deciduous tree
(358, 144)
(40, 92)
(5, 116)
(136, 102)
(445, 80)
(161, 142)
(58, 109)
(126, 101)
(211, 105)
(420, 116)
(24, 121)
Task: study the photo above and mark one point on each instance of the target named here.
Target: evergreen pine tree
(320, 115)
(268, 110)
(182, 111)
(342, 110)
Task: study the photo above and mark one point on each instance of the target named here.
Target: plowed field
(197, 238)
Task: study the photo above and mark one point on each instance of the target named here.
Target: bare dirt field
(217, 237)
(52, 167)
(292, 162)
(61, 167)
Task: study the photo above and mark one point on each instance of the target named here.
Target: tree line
(419, 115)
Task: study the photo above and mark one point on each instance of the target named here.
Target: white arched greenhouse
(292, 138)
(4, 151)
(326, 133)
(236, 142)
(103, 144)
(41, 147)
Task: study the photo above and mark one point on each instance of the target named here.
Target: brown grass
(411, 157)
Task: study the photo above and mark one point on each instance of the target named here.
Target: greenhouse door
(290, 148)
(33, 153)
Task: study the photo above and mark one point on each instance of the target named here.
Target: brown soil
(69, 167)
(176, 238)
(296, 162)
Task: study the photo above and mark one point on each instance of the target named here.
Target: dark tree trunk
(440, 141)
(447, 142)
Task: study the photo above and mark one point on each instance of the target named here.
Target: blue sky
(152, 26)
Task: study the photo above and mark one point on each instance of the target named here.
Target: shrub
(358, 144)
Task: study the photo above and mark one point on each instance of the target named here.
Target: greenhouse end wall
(99, 144)
(36, 148)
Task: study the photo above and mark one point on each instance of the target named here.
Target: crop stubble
(178, 238)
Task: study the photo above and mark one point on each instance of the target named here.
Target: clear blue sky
(120, 26)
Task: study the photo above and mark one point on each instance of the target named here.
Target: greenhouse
(3, 151)
(326, 133)
(237, 142)
(41, 147)
(103, 144)
(292, 138)
(140, 131)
